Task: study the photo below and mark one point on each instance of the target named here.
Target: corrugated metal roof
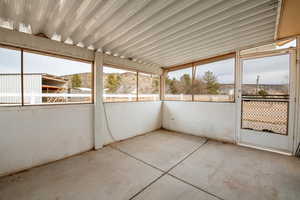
(161, 32)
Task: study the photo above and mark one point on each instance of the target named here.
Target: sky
(271, 70)
(179, 73)
(224, 70)
(293, 43)
(10, 62)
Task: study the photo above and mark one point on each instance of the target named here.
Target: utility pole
(257, 84)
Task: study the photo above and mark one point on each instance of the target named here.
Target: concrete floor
(161, 165)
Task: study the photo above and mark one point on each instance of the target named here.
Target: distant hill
(250, 89)
(127, 82)
(86, 80)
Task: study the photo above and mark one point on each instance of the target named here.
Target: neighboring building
(35, 85)
(53, 84)
(10, 88)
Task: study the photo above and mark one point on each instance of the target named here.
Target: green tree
(155, 85)
(171, 87)
(76, 81)
(186, 82)
(262, 92)
(211, 81)
(174, 86)
(113, 83)
(198, 86)
(181, 86)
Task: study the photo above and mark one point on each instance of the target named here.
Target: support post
(99, 122)
(238, 94)
(162, 85)
(297, 117)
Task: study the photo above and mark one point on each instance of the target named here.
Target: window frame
(159, 88)
(4, 46)
(177, 69)
(137, 84)
(198, 63)
(22, 50)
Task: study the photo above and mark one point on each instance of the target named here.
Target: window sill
(202, 101)
(44, 106)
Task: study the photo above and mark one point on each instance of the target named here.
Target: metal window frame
(292, 51)
(22, 50)
(4, 46)
(22, 78)
(137, 84)
(159, 88)
(258, 55)
(177, 69)
(194, 66)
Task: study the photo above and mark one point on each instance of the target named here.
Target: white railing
(204, 97)
(36, 98)
(130, 97)
(44, 95)
(72, 95)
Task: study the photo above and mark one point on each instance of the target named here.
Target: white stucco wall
(35, 135)
(130, 119)
(212, 120)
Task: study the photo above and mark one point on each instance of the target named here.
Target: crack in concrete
(167, 171)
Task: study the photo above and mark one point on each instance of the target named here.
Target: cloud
(271, 70)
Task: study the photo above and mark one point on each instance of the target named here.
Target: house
(35, 85)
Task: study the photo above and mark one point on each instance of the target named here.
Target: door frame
(294, 77)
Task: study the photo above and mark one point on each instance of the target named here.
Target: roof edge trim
(203, 61)
(32, 42)
(125, 63)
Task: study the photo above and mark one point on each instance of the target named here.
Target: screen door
(267, 101)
